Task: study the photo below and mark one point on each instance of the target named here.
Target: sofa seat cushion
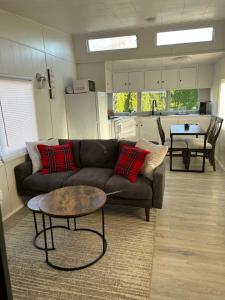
(96, 177)
(141, 189)
(46, 183)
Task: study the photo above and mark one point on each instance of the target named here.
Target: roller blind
(17, 116)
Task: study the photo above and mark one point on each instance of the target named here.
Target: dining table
(187, 130)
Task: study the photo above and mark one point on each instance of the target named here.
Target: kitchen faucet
(154, 105)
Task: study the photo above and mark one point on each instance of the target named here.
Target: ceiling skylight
(112, 43)
(185, 36)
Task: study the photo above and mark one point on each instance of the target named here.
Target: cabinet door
(169, 79)
(152, 80)
(136, 81)
(148, 129)
(187, 78)
(120, 82)
(108, 81)
(205, 76)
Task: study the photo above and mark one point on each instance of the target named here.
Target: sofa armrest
(21, 172)
(158, 185)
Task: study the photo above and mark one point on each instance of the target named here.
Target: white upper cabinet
(169, 79)
(152, 80)
(120, 82)
(187, 78)
(136, 81)
(205, 73)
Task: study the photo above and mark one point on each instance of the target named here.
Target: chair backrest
(215, 131)
(211, 124)
(161, 131)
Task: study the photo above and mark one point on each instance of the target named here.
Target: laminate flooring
(189, 257)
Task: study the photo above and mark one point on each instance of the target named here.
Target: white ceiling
(84, 16)
(172, 61)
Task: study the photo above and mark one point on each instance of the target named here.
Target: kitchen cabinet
(205, 75)
(169, 79)
(152, 80)
(187, 78)
(128, 82)
(120, 82)
(136, 81)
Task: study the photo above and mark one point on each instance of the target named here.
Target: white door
(120, 82)
(152, 80)
(169, 79)
(136, 81)
(187, 78)
(82, 116)
(102, 109)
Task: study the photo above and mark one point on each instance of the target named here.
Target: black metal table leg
(204, 154)
(75, 224)
(50, 223)
(45, 238)
(101, 235)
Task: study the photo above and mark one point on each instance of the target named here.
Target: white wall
(27, 47)
(146, 47)
(219, 73)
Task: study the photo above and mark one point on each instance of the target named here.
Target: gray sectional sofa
(95, 161)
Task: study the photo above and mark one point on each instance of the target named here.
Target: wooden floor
(189, 259)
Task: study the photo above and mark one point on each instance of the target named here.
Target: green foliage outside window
(148, 97)
(125, 102)
(184, 99)
(179, 100)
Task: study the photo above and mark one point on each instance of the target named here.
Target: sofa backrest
(76, 150)
(99, 153)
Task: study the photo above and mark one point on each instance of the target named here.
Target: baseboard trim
(13, 212)
(221, 164)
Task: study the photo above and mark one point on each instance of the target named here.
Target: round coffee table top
(73, 201)
(33, 204)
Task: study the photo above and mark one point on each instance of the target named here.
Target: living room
(167, 241)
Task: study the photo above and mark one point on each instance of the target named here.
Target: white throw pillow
(34, 153)
(153, 159)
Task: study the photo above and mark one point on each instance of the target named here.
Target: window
(184, 100)
(17, 116)
(112, 43)
(125, 102)
(185, 36)
(148, 97)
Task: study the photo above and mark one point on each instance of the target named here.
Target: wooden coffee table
(73, 202)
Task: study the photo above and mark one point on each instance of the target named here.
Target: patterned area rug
(123, 273)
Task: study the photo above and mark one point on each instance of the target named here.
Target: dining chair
(179, 145)
(197, 145)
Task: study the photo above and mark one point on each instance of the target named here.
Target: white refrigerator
(87, 115)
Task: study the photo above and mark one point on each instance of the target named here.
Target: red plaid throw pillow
(130, 162)
(57, 158)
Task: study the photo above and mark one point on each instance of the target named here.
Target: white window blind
(17, 116)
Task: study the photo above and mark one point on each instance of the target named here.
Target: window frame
(186, 43)
(20, 151)
(111, 37)
(146, 113)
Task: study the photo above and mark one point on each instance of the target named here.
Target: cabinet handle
(163, 81)
(129, 83)
(158, 81)
(180, 80)
(125, 83)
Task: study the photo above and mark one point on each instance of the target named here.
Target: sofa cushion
(141, 189)
(90, 176)
(76, 150)
(99, 153)
(46, 183)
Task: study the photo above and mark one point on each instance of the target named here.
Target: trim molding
(13, 212)
(220, 164)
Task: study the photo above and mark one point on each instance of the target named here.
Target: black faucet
(154, 105)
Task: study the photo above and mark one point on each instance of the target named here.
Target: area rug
(123, 273)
